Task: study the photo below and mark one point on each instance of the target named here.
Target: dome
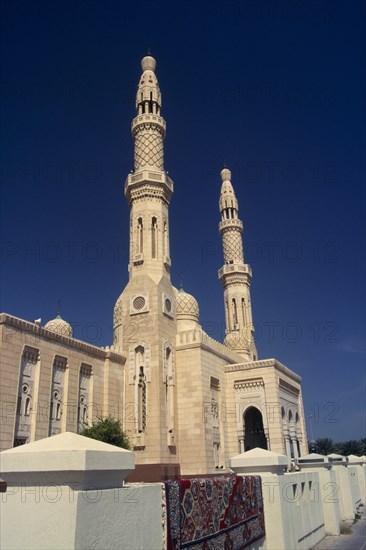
(225, 175)
(148, 63)
(59, 326)
(117, 312)
(236, 342)
(187, 306)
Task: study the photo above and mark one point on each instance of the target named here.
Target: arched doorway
(253, 429)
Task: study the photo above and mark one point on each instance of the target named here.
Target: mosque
(187, 402)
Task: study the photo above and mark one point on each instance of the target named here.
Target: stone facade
(187, 402)
(50, 382)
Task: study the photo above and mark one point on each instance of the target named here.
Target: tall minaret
(145, 314)
(235, 275)
(148, 188)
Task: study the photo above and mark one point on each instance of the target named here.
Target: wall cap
(67, 459)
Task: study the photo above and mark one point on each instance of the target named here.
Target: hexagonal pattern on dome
(117, 313)
(187, 306)
(59, 326)
(237, 342)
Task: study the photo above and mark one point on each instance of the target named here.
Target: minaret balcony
(148, 183)
(229, 269)
(230, 223)
(148, 118)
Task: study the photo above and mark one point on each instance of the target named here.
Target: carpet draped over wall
(214, 513)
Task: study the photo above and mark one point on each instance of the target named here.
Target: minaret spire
(148, 303)
(235, 275)
(149, 189)
(148, 128)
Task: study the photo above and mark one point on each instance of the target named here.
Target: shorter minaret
(235, 275)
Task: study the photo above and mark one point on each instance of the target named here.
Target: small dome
(187, 306)
(59, 326)
(117, 312)
(225, 174)
(148, 63)
(236, 342)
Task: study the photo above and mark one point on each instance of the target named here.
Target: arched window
(27, 406)
(154, 237)
(254, 430)
(84, 395)
(140, 388)
(141, 401)
(165, 240)
(235, 314)
(243, 311)
(227, 314)
(298, 447)
(168, 355)
(26, 385)
(57, 394)
(169, 391)
(58, 411)
(140, 356)
(140, 235)
(168, 373)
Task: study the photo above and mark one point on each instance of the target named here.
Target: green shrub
(108, 430)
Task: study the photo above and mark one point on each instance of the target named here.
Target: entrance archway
(253, 429)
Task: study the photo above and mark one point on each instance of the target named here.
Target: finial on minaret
(225, 174)
(148, 49)
(181, 280)
(59, 307)
(148, 62)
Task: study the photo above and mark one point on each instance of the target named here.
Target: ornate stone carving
(59, 326)
(232, 246)
(248, 384)
(149, 147)
(187, 306)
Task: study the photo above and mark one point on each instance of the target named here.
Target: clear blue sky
(274, 89)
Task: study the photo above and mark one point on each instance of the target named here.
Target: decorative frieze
(248, 384)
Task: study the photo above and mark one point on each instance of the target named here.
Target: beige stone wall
(266, 385)
(152, 329)
(9, 369)
(202, 363)
(105, 387)
(210, 389)
(201, 395)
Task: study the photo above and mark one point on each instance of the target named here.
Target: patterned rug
(216, 513)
